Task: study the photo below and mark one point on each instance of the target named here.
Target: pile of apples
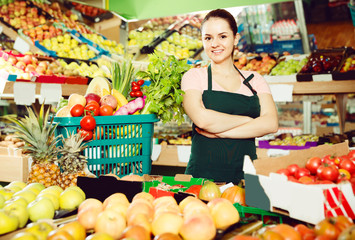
(262, 64)
(321, 63)
(88, 10)
(326, 170)
(41, 32)
(146, 215)
(20, 16)
(21, 202)
(27, 65)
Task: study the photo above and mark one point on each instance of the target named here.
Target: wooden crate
(13, 165)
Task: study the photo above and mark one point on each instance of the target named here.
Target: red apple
(40, 69)
(43, 64)
(92, 96)
(21, 65)
(27, 59)
(30, 68)
(12, 60)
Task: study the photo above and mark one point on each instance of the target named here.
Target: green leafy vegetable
(164, 94)
(122, 76)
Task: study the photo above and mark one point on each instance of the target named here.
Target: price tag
(50, 93)
(24, 93)
(322, 77)
(21, 45)
(281, 92)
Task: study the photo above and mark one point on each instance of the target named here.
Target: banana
(121, 100)
(105, 92)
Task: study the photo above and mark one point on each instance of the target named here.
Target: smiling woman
(228, 107)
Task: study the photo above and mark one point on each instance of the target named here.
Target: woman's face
(218, 39)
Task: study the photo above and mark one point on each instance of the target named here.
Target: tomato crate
(121, 144)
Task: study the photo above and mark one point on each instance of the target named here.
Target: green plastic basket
(121, 144)
(264, 215)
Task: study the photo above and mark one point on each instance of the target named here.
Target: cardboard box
(110, 28)
(13, 165)
(171, 155)
(267, 190)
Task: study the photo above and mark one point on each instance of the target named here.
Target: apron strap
(246, 80)
(209, 78)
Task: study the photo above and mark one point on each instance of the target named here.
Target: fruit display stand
(14, 165)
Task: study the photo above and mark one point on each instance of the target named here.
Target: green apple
(41, 208)
(21, 184)
(56, 190)
(8, 223)
(6, 193)
(24, 236)
(40, 229)
(54, 199)
(18, 210)
(26, 194)
(70, 199)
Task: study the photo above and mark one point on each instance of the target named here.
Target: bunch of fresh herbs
(164, 94)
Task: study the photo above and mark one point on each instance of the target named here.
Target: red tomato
(328, 159)
(292, 179)
(283, 171)
(352, 181)
(292, 168)
(134, 83)
(343, 175)
(93, 102)
(306, 180)
(301, 172)
(328, 172)
(77, 110)
(106, 110)
(348, 165)
(92, 109)
(194, 189)
(304, 230)
(313, 163)
(140, 82)
(138, 94)
(132, 94)
(87, 135)
(351, 154)
(136, 88)
(88, 123)
(342, 222)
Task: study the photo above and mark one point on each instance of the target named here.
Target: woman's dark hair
(223, 14)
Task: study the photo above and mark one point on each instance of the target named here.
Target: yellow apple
(35, 187)
(21, 184)
(54, 199)
(17, 199)
(26, 194)
(56, 190)
(70, 199)
(2, 201)
(6, 193)
(18, 210)
(8, 223)
(41, 208)
(40, 229)
(24, 236)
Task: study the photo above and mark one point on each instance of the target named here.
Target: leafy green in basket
(164, 94)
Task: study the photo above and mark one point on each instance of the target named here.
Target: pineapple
(40, 143)
(72, 163)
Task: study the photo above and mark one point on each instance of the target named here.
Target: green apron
(221, 159)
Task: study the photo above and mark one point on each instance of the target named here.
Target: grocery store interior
(58, 54)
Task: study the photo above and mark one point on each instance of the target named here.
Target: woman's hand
(205, 133)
